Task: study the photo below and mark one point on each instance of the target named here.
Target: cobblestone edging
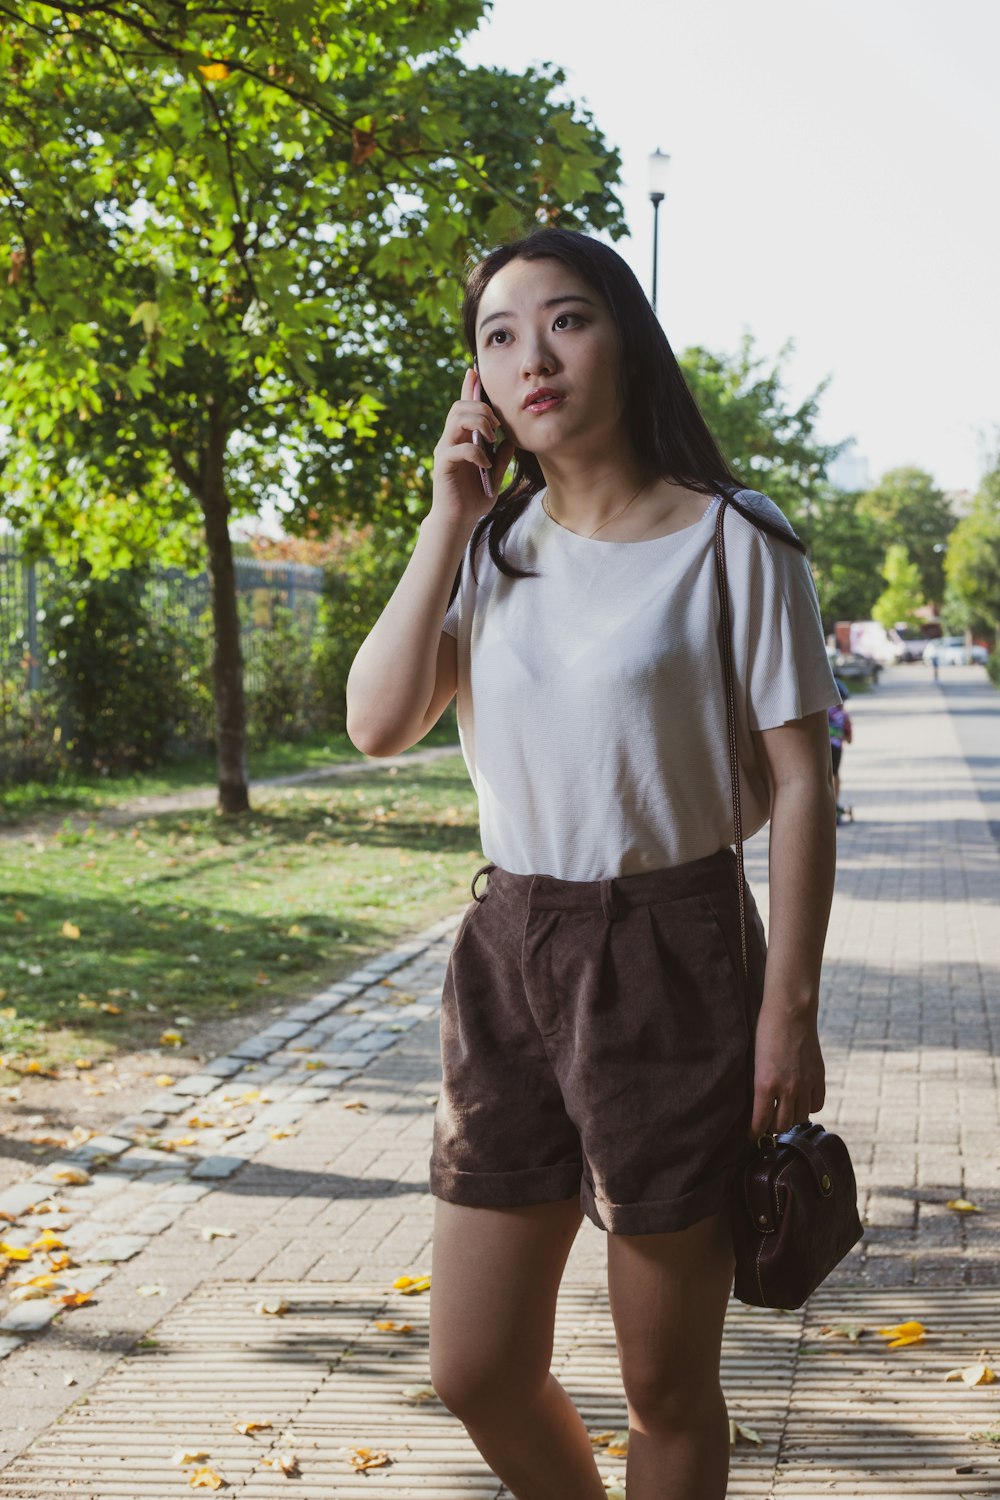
(135, 1188)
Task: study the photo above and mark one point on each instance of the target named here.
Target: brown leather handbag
(795, 1199)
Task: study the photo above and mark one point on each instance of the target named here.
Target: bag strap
(734, 764)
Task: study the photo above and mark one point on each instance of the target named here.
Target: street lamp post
(658, 164)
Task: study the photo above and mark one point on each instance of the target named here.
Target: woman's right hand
(458, 493)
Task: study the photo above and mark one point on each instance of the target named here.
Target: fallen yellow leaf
(184, 1456)
(73, 1299)
(286, 1462)
(973, 1375)
(365, 1458)
(218, 1234)
(163, 1080)
(48, 1240)
(353, 1104)
(247, 1429)
(386, 1325)
(280, 1133)
(75, 1175)
(14, 1252)
(205, 1479)
(28, 1292)
(963, 1206)
(82, 1063)
(410, 1286)
(274, 1306)
(171, 1039)
(737, 1431)
(903, 1333)
(111, 1008)
(423, 1393)
(70, 930)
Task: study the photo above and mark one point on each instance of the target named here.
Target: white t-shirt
(591, 699)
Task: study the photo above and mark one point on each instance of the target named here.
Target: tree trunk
(227, 656)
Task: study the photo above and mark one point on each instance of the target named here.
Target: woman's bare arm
(789, 1082)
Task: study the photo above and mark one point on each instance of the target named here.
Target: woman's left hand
(789, 1075)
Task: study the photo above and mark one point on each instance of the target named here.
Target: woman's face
(544, 332)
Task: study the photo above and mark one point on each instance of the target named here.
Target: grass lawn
(79, 793)
(110, 937)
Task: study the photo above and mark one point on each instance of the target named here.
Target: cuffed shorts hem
(518, 1189)
(657, 1217)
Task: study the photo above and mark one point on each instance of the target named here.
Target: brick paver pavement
(909, 1016)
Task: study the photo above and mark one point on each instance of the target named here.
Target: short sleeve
(463, 597)
(787, 672)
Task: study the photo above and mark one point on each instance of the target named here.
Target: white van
(869, 638)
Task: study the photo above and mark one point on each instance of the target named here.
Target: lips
(542, 399)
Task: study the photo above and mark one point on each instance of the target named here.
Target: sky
(833, 182)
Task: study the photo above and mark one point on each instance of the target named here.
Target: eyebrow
(552, 302)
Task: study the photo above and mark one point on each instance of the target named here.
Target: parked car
(951, 651)
(914, 644)
(853, 668)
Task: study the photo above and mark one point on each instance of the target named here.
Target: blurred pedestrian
(841, 733)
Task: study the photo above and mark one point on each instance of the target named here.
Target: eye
(563, 316)
(497, 333)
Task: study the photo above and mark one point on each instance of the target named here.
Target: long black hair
(668, 432)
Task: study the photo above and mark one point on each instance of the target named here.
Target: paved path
(327, 1218)
(188, 800)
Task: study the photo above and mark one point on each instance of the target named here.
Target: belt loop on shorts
(608, 903)
(483, 869)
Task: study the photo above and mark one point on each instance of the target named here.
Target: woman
(598, 1056)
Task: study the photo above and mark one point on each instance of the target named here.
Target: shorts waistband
(618, 893)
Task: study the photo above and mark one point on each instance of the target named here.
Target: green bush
(281, 693)
(115, 671)
(32, 746)
(355, 592)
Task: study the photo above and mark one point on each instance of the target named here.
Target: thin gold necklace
(603, 523)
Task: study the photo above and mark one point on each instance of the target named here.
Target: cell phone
(477, 437)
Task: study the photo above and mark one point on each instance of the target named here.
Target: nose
(537, 357)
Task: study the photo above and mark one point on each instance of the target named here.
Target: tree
(235, 238)
(775, 447)
(903, 595)
(909, 509)
(972, 563)
(845, 551)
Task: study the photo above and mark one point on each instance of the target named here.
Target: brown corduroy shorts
(595, 1040)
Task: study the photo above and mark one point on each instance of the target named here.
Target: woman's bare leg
(495, 1274)
(668, 1296)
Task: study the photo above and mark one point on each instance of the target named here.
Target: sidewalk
(327, 1219)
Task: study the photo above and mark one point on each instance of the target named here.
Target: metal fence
(171, 597)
